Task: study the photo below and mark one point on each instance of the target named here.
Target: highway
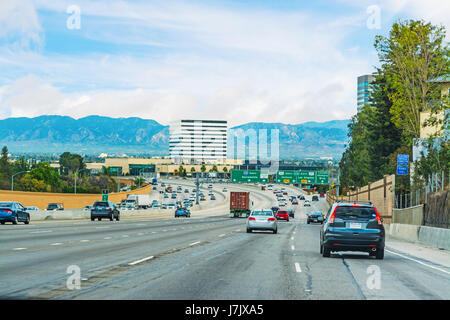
(205, 257)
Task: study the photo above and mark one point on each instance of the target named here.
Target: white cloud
(19, 21)
(241, 65)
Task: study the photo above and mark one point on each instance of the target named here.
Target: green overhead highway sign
(249, 176)
(304, 177)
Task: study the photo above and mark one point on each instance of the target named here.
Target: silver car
(262, 220)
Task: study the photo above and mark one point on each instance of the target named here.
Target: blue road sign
(402, 164)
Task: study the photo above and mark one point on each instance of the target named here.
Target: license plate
(355, 225)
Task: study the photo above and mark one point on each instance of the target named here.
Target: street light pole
(12, 178)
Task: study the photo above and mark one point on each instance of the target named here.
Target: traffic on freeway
(269, 252)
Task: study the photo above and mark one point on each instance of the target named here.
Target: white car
(262, 220)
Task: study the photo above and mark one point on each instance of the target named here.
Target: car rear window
(101, 204)
(282, 212)
(262, 213)
(5, 204)
(348, 212)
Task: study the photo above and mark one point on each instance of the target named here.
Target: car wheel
(15, 220)
(249, 230)
(275, 231)
(3, 222)
(326, 252)
(380, 254)
(111, 218)
(27, 221)
(308, 222)
(92, 219)
(118, 218)
(321, 249)
(99, 219)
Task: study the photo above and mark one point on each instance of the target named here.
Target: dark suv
(353, 226)
(105, 209)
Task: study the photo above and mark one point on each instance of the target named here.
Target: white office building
(197, 141)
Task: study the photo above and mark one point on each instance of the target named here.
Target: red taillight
(251, 219)
(109, 209)
(378, 217)
(7, 210)
(336, 244)
(355, 205)
(331, 220)
(271, 219)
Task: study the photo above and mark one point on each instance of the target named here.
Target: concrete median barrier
(429, 236)
(435, 237)
(403, 231)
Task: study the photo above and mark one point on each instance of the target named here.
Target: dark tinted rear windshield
(262, 213)
(101, 204)
(5, 204)
(345, 212)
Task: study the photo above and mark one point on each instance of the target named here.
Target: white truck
(141, 201)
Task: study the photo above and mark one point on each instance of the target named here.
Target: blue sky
(243, 61)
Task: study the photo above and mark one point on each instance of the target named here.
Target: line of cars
(15, 212)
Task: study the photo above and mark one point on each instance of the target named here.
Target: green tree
(203, 168)
(70, 163)
(413, 53)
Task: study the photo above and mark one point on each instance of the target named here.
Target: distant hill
(97, 134)
(309, 139)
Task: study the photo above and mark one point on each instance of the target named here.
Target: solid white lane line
(102, 227)
(107, 238)
(292, 247)
(194, 243)
(56, 244)
(222, 235)
(297, 267)
(140, 234)
(125, 236)
(139, 261)
(17, 249)
(43, 231)
(84, 240)
(422, 263)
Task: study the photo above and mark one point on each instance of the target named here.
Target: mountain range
(133, 136)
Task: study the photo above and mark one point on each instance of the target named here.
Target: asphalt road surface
(202, 258)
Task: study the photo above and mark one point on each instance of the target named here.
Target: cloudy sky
(285, 61)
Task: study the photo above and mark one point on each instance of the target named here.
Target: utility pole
(337, 186)
(197, 184)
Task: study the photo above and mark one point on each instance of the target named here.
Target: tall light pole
(76, 175)
(12, 178)
(140, 171)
